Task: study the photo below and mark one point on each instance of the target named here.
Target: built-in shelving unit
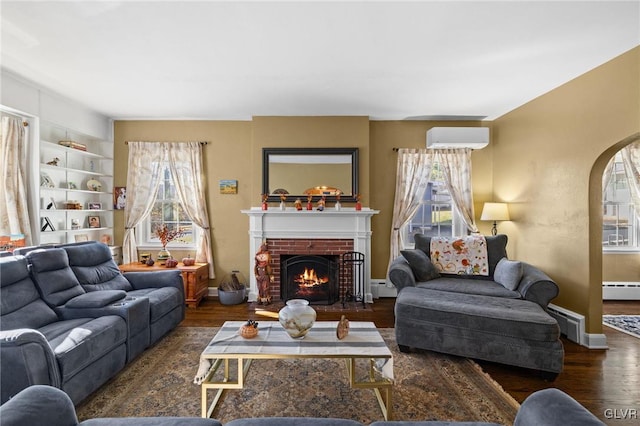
(76, 186)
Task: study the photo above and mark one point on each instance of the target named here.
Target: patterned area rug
(629, 324)
(429, 386)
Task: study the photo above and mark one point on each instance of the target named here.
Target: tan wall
(228, 155)
(548, 158)
(621, 267)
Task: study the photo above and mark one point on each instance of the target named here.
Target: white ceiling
(386, 60)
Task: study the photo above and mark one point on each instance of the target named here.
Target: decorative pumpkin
(171, 263)
(188, 261)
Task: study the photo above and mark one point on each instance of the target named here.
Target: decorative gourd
(171, 263)
(150, 261)
(188, 261)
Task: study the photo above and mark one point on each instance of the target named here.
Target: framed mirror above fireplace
(299, 172)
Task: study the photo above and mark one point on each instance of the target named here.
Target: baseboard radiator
(620, 290)
(571, 324)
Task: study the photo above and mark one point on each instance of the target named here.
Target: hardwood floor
(607, 382)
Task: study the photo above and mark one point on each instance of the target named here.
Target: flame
(309, 278)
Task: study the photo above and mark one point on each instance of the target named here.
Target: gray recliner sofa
(55, 332)
(501, 317)
(47, 406)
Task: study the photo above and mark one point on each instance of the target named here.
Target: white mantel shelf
(347, 223)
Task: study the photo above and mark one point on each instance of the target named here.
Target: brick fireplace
(327, 233)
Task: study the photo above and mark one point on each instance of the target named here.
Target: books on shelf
(73, 144)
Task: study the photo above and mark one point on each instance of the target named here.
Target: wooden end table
(195, 278)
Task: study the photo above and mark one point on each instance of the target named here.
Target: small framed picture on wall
(119, 197)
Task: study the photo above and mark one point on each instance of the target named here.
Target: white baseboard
(595, 341)
(620, 290)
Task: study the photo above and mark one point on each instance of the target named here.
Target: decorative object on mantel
(166, 235)
(321, 203)
(150, 261)
(298, 204)
(283, 198)
(265, 197)
(264, 277)
(309, 202)
(358, 203)
(297, 318)
(338, 206)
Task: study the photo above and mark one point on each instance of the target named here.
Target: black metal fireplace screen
(322, 278)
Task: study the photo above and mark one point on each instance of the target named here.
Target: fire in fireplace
(314, 278)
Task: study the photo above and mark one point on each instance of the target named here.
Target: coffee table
(363, 343)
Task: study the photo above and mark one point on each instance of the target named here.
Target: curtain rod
(25, 123)
(200, 142)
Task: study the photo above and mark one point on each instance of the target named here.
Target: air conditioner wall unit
(458, 137)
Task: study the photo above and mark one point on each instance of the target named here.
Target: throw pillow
(420, 264)
(508, 273)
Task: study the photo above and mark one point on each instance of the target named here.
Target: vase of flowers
(283, 198)
(166, 235)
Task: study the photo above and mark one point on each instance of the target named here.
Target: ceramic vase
(163, 255)
(297, 318)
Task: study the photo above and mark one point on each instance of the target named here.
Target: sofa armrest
(553, 407)
(400, 274)
(39, 406)
(26, 358)
(536, 286)
(155, 279)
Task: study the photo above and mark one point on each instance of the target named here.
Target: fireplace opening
(314, 278)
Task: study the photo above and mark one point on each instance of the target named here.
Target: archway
(595, 231)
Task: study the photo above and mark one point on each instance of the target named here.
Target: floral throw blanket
(462, 255)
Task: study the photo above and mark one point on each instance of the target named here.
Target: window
(437, 215)
(620, 230)
(167, 210)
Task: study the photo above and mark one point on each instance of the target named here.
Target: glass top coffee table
(363, 342)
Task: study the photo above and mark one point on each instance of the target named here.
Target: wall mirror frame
(311, 160)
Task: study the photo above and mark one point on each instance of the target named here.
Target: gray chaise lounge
(500, 318)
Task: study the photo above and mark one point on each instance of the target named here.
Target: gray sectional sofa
(501, 317)
(48, 406)
(70, 319)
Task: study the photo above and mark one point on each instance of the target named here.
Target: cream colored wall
(547, 163)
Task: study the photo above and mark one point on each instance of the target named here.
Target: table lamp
(495, 212)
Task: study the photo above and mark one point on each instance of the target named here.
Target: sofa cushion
(96, 299)
(496, 250)
(52, 275)
(420, 264)
(469, 286)
(20, 302)
(94, 267)
(79, 342)
(161, 300)
(508, 273)
(497, 316)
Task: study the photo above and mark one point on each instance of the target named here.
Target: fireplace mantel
(346, 223)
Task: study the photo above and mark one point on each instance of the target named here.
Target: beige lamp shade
(495, 212)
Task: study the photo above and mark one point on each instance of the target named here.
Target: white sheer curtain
(185, 162)
(456, 167)
(412, 176)
(631, 162)
(14, 212)
(143, 180)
